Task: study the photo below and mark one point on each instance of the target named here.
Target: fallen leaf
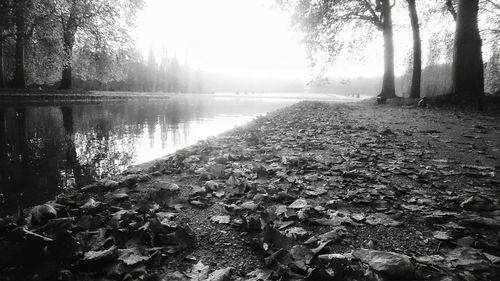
(442, 235)
(99, 256)
(299, 204)
(432, 259)
(275, 239)
(42, 213)
(91, 204)
(492, 258)
(131, 256)
(224, 274)
(390, 263)
(221, 219)
(381, 218)
(259, 275)
(249, 205)
(467, 259)
(185, 236)
(199, 272)
(302, 256)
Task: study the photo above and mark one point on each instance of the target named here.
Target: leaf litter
(315, 191)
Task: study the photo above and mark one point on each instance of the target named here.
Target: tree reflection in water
(6, 184)
(75, 174)
(45, 149)
(30, 164)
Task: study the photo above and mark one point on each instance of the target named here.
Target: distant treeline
(169, 75)
(436, 80)
(137, 74)
(463, 34)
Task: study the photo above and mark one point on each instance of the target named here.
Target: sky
(238, 37)
(243, 38)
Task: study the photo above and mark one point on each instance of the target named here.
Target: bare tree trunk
(2, 73)
(66, 79)
(468, 72)
(417, 51)
(4, 17)
(388, 84)
(19, 75)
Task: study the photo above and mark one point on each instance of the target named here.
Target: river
(47, 148)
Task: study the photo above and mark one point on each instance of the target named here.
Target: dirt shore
(316, 191)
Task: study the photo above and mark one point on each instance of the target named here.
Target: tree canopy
(50, 32)
(335, 29)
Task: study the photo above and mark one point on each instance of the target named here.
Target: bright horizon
(237, 37)
(240, 38)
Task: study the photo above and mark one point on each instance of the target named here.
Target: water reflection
(31, 164)
(45, 149)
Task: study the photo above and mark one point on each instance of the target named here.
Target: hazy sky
(238, 37)
(241, 37)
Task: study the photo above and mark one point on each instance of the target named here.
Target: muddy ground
(316, 191)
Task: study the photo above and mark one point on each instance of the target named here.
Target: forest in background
(51, 44)
(436, 25)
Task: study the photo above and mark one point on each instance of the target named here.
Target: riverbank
(317, 190)
(51, 96)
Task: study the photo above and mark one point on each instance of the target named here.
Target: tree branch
(451, 9)
(371, 9)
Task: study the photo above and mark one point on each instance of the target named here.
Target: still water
(45, 149)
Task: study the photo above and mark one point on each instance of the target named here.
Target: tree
(5, 8)
(468, 72)
(492, 72)
(388, 83)
(102, 21)
(152, 73)
(21, 10)
(27, 17)
(417, 51)
(490, 14)
(26, 37)
(325, 22)
(163, 71)
(2, 68)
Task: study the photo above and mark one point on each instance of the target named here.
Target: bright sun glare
(241, 38)
(237, 37)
